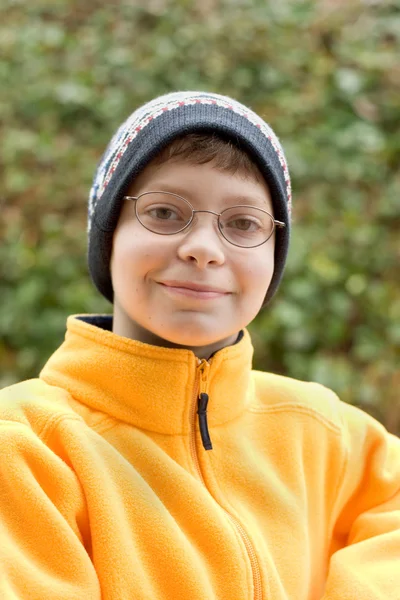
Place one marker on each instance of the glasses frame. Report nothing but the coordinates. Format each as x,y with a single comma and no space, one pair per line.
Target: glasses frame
276,224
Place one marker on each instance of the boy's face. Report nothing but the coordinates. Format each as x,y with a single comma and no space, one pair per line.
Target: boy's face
145,308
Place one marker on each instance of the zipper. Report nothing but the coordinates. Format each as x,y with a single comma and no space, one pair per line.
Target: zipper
200,397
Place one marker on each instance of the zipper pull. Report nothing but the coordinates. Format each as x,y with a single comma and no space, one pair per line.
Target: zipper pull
204,369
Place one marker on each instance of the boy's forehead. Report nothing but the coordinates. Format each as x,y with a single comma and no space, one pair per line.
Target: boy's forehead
182,177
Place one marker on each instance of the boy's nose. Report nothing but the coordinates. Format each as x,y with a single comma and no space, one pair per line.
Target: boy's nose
202,242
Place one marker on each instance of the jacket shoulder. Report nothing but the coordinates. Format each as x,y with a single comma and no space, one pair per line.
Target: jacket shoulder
34,403
277,392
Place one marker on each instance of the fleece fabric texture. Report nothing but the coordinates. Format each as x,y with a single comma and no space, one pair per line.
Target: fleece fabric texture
106,490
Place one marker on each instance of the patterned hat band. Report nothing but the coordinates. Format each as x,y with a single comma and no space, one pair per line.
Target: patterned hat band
149,130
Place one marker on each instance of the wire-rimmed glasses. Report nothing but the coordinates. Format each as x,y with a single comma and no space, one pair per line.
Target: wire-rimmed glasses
166,213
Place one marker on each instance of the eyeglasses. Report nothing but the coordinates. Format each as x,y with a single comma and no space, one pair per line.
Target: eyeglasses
165,213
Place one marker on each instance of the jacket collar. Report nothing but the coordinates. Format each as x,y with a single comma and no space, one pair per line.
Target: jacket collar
147,386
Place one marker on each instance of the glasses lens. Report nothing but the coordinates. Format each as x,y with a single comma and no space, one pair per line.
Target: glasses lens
246,226
163,213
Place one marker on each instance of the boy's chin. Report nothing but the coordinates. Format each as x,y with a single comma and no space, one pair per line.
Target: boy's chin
190,332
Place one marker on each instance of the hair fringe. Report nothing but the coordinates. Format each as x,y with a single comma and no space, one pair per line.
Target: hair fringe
202,148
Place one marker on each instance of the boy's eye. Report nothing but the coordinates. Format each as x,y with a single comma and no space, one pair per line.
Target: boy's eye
163,213
164,217
243,224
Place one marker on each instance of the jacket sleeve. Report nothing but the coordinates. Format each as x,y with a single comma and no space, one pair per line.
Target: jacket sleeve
44,535
366,528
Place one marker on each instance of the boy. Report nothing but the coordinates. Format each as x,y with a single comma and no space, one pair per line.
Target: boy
148,460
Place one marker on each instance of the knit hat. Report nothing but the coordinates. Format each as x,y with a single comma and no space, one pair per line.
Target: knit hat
149,130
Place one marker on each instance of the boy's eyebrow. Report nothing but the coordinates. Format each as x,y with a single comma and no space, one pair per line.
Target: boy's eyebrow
234,199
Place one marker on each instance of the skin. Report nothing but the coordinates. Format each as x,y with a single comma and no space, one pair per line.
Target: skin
147,311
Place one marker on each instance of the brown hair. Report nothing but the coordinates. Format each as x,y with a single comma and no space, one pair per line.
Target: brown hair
201,148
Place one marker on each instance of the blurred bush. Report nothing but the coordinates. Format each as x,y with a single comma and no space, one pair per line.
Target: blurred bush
325,74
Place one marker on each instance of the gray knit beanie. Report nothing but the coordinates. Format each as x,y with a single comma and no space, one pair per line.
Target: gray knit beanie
149,130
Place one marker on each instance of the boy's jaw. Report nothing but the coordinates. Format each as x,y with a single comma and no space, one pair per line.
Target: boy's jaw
125,326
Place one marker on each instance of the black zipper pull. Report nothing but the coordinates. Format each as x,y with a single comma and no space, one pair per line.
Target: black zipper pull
202,412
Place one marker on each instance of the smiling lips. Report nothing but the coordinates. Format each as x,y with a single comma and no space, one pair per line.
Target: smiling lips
194,290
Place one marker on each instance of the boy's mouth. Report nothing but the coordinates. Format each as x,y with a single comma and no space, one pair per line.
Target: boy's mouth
194,290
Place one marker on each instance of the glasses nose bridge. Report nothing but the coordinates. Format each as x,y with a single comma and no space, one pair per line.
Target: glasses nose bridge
211,212
205,211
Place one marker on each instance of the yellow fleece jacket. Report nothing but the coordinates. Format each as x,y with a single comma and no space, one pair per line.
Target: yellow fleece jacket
107,490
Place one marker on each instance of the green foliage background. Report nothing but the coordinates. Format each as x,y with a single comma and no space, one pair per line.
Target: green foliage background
325,74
